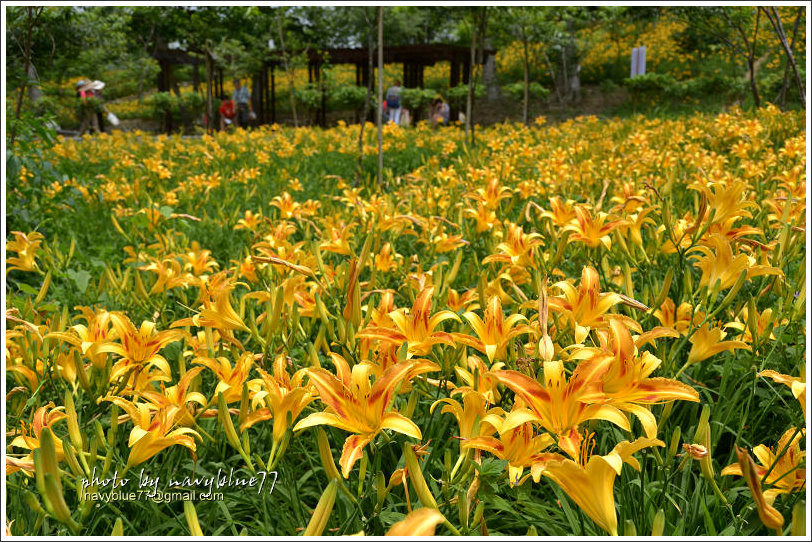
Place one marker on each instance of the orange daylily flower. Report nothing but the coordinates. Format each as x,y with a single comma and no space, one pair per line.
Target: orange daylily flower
627,384
517,248
585,307
787,472
280,394
417,327
557,405
229,379
592,230
519,445
139,348
495,332
357,406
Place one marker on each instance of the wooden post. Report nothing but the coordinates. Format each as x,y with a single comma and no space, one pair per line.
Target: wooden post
273,94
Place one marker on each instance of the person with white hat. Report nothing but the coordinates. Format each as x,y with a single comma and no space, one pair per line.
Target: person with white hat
88,106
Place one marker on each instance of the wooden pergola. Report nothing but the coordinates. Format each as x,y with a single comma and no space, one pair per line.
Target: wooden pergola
414,58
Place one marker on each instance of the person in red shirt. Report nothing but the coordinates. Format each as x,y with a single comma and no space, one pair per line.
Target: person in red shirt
227,112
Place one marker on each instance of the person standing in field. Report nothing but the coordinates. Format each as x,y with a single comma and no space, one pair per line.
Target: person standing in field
393,102
242,100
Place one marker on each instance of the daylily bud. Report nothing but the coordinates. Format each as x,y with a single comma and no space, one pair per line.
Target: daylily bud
480,508
228,426
191,518
629,529
703,438
326,455
696,451
416,476
118,528
672,448
322,512
59,508
658,526
669,277
769,516
798,527
449,279
32,502
43,291
380,488
72,421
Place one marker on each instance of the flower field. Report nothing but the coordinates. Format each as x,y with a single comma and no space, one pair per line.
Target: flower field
585,328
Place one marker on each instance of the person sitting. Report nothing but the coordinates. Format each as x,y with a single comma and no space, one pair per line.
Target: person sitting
227,113
393,102
440,113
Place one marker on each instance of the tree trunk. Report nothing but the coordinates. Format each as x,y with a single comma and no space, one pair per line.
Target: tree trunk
783,94
775,20
291,77
209,101
368,100
31,19
526,80
469,102
379,113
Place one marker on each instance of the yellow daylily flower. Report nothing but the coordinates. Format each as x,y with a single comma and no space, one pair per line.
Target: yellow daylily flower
89,337
230,379
590,483
421,522
357,406
477,376
179,396
45,416
707,342
787,472
585,307
470,415
495,332
717,262
517,249
747,468
591,230
26,246
152,430
796,384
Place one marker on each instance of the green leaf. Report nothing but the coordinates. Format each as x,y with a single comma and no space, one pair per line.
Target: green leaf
81,278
